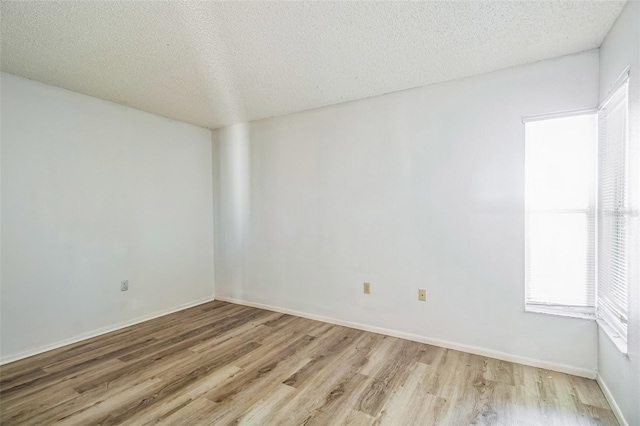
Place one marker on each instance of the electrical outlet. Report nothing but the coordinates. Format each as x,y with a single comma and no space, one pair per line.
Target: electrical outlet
422,295
124,285
367,288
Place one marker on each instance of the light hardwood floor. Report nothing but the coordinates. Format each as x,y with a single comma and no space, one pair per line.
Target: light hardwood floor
220,363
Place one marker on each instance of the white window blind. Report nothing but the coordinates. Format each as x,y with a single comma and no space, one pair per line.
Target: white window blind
613,212
560,215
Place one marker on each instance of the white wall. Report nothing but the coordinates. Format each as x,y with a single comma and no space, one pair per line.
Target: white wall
94,193
421,188
620,373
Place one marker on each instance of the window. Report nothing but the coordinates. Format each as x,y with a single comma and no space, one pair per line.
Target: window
560,214
613,215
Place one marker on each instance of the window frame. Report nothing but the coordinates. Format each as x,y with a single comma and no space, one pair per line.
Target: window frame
604,320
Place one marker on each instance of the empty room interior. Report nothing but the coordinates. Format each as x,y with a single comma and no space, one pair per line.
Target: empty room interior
320,213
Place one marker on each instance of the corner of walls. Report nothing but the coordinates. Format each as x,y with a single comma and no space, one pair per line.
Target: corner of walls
611,400
215,193
232,199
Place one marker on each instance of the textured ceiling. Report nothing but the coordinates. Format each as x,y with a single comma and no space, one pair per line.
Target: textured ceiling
214,64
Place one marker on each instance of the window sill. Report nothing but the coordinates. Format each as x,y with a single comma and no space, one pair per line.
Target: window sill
618,341
562,311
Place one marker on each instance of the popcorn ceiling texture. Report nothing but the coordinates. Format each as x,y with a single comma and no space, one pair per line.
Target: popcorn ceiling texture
215,64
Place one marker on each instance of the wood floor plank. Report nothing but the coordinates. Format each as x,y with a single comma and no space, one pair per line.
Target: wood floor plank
411,404
339,400
173,387
499,371
196,412
251,375
236,404
220,363
358,418
312,396
260,411
88,346
193,336
320,361
256,327
158,413
34,406
392,375
277,374
100,411
24,376
588,392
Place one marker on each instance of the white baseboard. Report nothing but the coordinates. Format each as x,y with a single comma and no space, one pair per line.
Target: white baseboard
612,402
562,368
581,372
103,330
